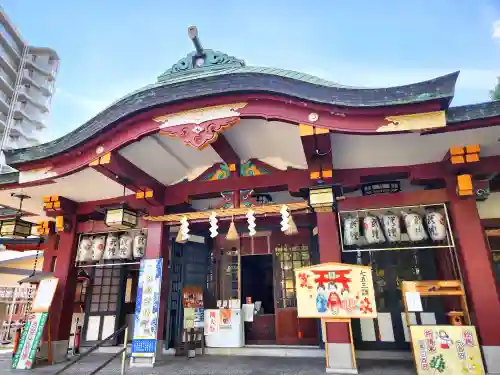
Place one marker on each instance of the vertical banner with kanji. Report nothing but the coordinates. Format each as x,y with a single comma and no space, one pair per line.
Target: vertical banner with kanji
446,350
147,308
29,341
212,321
335,290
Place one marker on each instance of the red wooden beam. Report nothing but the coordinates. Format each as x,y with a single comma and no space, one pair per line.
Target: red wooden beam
56,205
87,208
116,167
226,151
317,147
183,192
413,198
415,173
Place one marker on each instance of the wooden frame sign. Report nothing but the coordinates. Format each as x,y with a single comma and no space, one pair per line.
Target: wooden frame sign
44,295
335,290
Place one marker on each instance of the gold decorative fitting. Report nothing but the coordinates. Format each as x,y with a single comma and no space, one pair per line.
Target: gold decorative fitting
414,122
464,185
45,227
144,194
464,154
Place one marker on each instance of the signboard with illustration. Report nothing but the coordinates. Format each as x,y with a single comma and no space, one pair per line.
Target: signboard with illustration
446,350
335,290
147,308
29,341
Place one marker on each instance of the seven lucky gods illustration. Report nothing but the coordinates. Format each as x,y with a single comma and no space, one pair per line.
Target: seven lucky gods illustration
335,290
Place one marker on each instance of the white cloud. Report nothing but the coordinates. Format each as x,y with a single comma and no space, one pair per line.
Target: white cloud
496,29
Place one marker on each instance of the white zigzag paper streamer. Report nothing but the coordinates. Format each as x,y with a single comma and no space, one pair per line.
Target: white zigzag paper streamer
251,223
285,218
184,228
213,225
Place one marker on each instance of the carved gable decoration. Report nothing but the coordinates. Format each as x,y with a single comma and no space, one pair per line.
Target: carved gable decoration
200,127
414,122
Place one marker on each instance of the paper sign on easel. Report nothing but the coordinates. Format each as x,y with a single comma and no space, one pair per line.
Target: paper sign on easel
33,329
414,302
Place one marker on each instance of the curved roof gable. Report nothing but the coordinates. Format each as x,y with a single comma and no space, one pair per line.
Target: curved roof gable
205,73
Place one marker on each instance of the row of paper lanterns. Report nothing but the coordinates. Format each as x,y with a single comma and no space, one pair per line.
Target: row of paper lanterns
111,246
387,228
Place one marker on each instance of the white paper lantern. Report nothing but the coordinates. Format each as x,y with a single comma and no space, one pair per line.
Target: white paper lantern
139,246
392,228
111,250
351,231
414,226
98,244
85,250
372,230
125,250
436,225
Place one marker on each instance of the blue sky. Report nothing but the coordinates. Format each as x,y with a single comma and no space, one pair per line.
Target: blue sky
109,48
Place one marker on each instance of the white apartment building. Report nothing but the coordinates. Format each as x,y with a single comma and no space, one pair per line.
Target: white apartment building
27,77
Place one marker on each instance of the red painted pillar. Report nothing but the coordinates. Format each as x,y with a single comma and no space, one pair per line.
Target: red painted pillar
157,247
61,310
478,275
338,340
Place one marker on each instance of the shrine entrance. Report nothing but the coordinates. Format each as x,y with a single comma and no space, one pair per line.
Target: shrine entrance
390,268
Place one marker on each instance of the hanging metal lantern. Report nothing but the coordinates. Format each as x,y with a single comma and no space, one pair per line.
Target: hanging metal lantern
324,197
121,218
16,227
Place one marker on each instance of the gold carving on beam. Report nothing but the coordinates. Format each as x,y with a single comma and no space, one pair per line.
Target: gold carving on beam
306,130
229,212
199,115
414,122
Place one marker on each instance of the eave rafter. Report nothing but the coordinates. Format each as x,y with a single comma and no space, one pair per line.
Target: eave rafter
317,147
116,167
56,205
227,153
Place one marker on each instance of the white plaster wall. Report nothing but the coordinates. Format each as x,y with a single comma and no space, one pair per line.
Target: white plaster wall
490,208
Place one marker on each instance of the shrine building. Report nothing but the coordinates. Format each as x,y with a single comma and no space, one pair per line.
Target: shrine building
188,163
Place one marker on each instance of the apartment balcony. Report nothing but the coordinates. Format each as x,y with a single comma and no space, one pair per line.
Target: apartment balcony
35,96
39,80
8,42
6,82
25,129
4,102
27,110
44,64
3,121
9,62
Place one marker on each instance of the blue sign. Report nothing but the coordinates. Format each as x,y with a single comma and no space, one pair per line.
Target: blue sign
147,308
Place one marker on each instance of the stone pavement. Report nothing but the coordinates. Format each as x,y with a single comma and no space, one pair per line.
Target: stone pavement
217,365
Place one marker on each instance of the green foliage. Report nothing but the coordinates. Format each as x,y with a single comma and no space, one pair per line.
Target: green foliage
495,93
438,363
